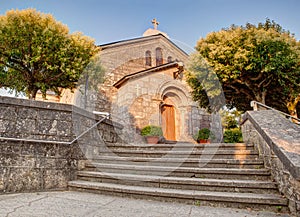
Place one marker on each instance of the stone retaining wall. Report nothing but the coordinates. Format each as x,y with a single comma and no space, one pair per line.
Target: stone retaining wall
29,164
33,166
278,142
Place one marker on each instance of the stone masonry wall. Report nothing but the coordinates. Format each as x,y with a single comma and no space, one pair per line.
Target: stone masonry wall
129,57
33,166
124,58
27,164
278,142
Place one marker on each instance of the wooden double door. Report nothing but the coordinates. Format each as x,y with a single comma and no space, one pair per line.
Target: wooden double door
168,122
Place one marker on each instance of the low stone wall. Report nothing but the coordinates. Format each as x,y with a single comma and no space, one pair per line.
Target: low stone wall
28,119
33,166
35,149
278,142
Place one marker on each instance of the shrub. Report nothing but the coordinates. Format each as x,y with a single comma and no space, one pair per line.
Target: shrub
151,130
204,133
233,135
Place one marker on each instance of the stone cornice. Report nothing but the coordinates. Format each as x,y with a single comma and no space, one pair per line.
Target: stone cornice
123,80
129,42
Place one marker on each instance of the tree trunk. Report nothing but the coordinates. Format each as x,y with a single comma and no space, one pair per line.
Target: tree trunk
292,107
31,94
261,97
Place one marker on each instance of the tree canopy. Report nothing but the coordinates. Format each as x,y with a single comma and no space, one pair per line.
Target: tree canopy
38,53
253,62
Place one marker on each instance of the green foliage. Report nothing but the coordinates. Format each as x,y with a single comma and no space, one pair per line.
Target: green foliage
231,122
151,130
92,76
197,203
230,118
204,133
38,53
279,208
252,63
233,135
206,88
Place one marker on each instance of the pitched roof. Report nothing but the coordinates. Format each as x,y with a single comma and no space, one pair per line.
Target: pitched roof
123,80
140,39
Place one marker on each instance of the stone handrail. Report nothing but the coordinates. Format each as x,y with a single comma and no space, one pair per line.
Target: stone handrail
281,135
255,105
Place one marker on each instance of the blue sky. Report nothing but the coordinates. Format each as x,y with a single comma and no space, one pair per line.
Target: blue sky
183,20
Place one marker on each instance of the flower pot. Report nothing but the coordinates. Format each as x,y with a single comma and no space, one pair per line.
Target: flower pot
152,139
203,141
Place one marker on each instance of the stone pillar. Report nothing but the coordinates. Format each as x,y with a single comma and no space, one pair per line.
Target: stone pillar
155,118
185,123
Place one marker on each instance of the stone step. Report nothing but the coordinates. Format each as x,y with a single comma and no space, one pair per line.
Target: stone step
179,162
181,146
211,154
200,184
216,173
230,199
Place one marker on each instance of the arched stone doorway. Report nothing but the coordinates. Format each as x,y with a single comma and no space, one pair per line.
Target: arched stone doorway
177,111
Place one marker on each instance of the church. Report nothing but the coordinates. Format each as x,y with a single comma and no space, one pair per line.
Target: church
144,85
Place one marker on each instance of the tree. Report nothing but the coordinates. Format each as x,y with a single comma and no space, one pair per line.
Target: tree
38,53
252,63
230,118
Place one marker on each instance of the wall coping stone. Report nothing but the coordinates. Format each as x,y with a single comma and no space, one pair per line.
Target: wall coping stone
35,103
282,136
54,106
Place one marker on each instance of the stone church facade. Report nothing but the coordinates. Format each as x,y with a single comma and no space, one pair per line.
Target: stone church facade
145,84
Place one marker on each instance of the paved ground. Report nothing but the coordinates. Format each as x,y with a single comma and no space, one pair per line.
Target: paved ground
88,205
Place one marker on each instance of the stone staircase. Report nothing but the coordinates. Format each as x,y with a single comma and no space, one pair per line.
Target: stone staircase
230,175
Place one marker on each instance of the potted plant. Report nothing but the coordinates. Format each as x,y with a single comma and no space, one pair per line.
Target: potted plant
152,133
204,136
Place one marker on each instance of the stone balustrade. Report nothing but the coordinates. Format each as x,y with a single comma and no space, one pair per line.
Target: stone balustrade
278,142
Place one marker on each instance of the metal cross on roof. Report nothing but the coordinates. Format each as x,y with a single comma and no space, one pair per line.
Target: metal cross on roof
155,23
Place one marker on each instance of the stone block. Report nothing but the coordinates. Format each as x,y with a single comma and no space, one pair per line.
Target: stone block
56,163
56,179
4,126
8,113
64,128
22,179
26,113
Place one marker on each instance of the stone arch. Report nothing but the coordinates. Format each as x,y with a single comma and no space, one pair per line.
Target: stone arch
176,89
176,95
